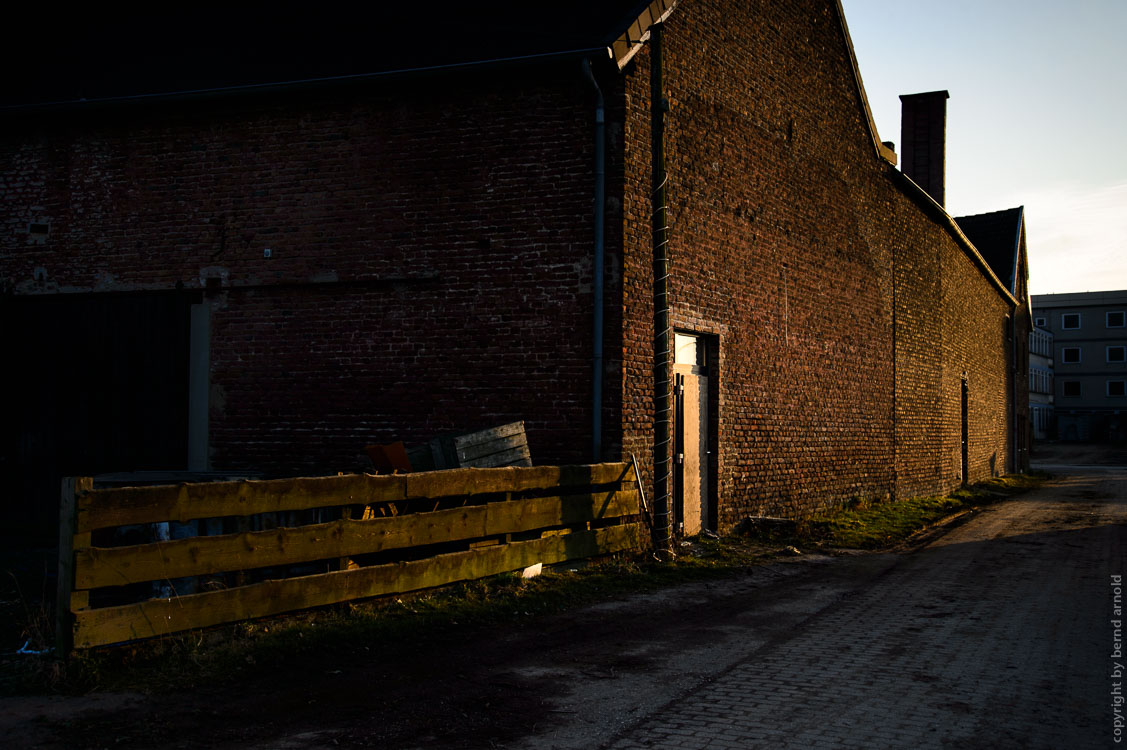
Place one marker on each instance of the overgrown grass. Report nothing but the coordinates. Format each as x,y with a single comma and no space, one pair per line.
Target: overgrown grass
183,661
867,525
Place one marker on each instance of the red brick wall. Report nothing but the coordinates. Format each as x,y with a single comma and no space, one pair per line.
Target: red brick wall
431,253
793,245
950,321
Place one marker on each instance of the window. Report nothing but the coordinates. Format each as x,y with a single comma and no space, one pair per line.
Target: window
1070,321
1039,322
1071,388
1116,319
1041,343
1116,388
1070,355
1040,381
1117,354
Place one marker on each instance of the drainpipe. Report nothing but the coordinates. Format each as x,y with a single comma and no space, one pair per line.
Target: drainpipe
663,526
599,263
1012,325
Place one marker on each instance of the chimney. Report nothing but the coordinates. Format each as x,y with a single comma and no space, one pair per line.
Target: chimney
923,136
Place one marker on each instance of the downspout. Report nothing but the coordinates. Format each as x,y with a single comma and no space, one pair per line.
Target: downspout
599,263
663,526
1013,391
895,493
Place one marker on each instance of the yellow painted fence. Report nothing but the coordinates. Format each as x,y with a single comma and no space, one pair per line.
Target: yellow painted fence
374,535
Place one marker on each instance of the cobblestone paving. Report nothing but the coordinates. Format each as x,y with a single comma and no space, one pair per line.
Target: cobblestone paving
997,636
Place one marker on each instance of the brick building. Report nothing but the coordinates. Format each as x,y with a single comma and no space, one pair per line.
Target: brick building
266,266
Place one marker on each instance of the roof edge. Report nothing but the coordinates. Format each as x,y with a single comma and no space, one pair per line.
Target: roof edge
637,33
307,82
882,151
1017,246
939,213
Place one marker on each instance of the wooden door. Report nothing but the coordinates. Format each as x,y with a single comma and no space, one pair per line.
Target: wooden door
692,491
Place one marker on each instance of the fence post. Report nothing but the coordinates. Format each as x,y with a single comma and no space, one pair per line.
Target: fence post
68,514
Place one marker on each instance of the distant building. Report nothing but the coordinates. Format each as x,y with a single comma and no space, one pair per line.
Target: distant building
1089,348
1041,415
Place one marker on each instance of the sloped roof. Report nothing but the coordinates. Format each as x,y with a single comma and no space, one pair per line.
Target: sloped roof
93,52
997,236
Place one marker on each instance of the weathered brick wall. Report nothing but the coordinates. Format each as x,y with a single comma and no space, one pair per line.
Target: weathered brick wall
431,262
431,253
793,245
950,323
976,343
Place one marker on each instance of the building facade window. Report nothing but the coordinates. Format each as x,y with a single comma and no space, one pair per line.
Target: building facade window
1070,355
1071,389
1070,321
1117,354
1117,319
1040,380
1042,419
1116,388
1041,343
1039,322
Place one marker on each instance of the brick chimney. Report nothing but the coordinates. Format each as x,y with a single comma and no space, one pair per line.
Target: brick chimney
923,136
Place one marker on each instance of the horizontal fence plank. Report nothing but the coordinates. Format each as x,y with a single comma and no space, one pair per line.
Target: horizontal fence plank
115,566
125,506
163,616
185,502
472,481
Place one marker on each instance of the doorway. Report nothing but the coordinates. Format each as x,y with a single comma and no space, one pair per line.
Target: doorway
99,383
694,474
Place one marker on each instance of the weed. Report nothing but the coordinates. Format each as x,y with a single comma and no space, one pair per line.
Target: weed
865,523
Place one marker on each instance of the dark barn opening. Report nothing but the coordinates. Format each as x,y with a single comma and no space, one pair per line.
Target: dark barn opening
98,383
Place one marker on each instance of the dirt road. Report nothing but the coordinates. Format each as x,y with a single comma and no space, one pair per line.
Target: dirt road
997,634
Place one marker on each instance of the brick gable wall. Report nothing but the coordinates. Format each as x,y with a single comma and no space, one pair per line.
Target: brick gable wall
794,248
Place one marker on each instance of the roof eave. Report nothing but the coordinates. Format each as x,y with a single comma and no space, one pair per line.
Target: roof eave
309,82
637,33
882,151
938,212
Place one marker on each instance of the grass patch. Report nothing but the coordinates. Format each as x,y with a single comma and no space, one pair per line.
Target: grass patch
864,525
309,639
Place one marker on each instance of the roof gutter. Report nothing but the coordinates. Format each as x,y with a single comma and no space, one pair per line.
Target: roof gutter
221,91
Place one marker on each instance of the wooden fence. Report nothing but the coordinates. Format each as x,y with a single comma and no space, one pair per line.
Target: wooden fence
387,535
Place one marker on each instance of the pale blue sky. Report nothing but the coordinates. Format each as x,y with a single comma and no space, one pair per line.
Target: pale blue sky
1037,117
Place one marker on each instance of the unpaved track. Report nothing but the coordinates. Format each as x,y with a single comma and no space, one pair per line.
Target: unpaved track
996,634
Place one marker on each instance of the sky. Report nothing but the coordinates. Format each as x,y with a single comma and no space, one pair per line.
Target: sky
1037,117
